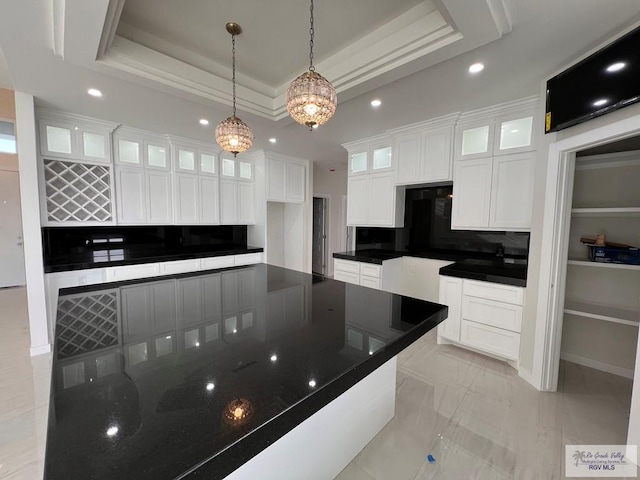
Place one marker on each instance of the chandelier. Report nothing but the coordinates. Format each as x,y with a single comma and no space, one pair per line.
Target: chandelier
233,135
311,99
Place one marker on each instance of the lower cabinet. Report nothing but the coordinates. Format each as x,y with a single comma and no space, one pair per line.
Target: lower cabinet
382,277
484,316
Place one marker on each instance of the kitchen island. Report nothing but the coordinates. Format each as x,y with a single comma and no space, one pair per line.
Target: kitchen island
224,373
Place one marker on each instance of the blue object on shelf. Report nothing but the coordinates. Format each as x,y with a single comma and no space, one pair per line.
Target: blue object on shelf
629,256
431,458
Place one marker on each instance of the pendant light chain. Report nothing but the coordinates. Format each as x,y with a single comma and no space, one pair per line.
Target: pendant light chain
233,52
311,34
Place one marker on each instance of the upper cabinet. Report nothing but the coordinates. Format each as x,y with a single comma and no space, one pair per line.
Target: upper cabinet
372,196
137,148
74,137
286,179
494,168
237,191
424,151
502,130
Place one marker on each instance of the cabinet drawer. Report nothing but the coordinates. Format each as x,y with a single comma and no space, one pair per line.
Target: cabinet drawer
346,266
181,266
494,291
212,263
371,282
490,312
248,259
348,277
370,270
130,272
493,340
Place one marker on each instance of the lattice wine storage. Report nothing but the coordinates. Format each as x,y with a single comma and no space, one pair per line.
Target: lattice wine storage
77,192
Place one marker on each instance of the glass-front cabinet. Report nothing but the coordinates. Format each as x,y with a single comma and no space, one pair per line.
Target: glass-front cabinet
370,156
75,139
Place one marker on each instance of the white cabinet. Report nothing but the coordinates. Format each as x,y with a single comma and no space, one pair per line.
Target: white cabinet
484,316
237,192
131,196
148,309
451,296
76,137
381,277
357,200
209,200
187,207
370,156
286,181
424,151
374,200
493,193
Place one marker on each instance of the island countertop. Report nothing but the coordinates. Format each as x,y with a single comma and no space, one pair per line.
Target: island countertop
190,376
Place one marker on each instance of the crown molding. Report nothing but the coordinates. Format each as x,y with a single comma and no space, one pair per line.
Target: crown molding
114,11
49,114
495,110
439,122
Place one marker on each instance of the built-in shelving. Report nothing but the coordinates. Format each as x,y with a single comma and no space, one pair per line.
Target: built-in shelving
606,212
602,312
587,263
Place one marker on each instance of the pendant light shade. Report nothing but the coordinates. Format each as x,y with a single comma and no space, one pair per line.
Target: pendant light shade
233,135
311,99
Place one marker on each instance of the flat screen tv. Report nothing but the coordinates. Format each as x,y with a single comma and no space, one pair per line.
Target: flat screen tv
601,83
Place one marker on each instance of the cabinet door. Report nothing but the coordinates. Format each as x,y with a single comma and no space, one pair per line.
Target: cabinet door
381,201
296,176
246,203
358,162
436,156
209,201
128,151
471,194
227,167
159,197
357,201
131,196
156,156
186,199
245,170
212,300
58,139
163,305
515,133
512,192
451,296
381,159
185,159
228,202
407,149
94,145
276,181
475,140
136,312
190,306
208,163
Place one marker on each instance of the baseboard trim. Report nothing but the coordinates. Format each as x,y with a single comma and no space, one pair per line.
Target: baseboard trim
40,349
597,365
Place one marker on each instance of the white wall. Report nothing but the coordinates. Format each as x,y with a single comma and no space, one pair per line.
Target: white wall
334,186
275,229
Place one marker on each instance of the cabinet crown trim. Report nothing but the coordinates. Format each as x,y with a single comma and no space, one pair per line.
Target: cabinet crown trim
286,158
175,140
56,115
438,122
137,132
500,109
367,142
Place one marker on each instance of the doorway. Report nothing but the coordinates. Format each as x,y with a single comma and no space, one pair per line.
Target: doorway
11,249
320,231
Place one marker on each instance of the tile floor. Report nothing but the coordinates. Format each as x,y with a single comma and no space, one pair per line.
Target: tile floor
473,414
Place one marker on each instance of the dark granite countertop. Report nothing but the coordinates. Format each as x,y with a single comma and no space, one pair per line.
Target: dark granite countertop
487,268
147,375
115,256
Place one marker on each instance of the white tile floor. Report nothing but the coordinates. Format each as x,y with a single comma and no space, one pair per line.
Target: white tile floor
473,414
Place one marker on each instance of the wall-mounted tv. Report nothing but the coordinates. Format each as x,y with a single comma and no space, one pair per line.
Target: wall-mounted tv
601,83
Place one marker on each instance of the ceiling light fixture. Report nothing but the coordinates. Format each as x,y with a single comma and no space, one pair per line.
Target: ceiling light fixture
204,121
376,103
233,135
273,140
476,68
94,92
616,67
311,99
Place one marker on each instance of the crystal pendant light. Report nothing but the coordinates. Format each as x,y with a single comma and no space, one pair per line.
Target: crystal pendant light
311,99
233,135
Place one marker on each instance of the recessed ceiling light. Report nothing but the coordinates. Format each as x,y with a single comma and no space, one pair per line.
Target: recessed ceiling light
112,431
94,92
376,103
273,140
210,387
476,67
274,358
312,383
600,102
204,121
616,67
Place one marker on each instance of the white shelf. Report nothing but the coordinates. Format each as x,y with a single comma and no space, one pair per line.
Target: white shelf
602,312
606,212
587,263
